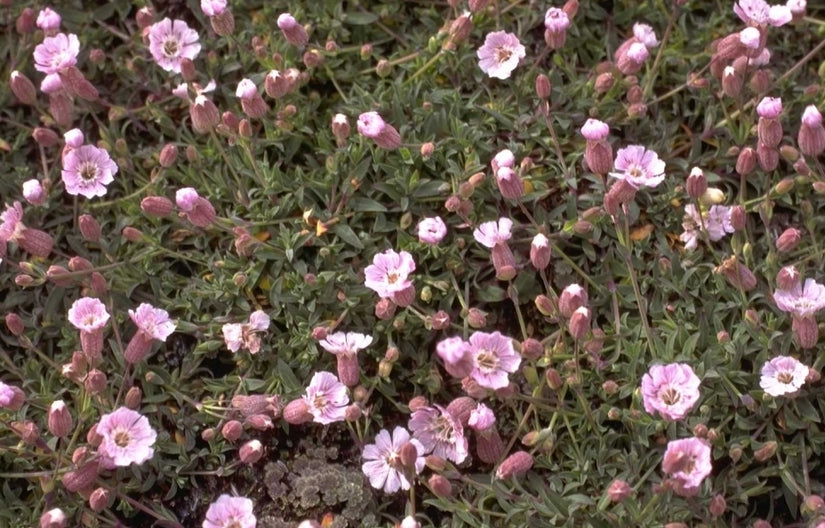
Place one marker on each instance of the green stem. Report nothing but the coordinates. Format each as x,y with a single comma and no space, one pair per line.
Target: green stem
573,265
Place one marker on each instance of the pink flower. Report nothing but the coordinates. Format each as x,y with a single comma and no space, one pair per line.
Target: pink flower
87,171
127,437
481,418
246,89
88,314
783,375
212,8
388,274
439,432
503,158
494,232
230,512
326,398
293,32
639,167
170,41
431,230
645,34
556,20
716,222
457,356
197,209
373,126
493,358
688,462
671,390
345,342
383,464
769,107
33,192
811,117
11,397
802,301
56,53
759,13
245,335
595,130
500,54
48,20
11,222
154,322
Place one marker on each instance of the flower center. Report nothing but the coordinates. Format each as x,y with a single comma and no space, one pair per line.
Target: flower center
634,171
671,396
319,401
487,360
234,524
89,320
393,460
784,377
443,429
171,47
503,55
122,438
87,171
392,277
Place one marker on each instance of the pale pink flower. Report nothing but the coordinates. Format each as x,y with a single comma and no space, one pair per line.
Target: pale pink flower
293,32
383,465
170,41
11,397
440,433
750,38
127,437
431,230
12,229
389,273
457,356
345,342
51,84
56,53
88,314
671,390
494,357
326,398
595,130
481,418
237,335
373,126
48,20
154,322
811,117
11,222
230,512
33,192
639,167
716,222
212,8
645,34
802,301
246,89
74,138
783,375
688,462
500,54
503,158
759,13
494,232
769,107
556,20
87,171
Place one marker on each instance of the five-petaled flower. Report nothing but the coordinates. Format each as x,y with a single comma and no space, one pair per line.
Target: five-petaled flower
170,41
671,390
783,375
500,54
383,466
127,437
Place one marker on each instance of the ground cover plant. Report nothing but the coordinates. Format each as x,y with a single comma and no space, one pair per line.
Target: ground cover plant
485,263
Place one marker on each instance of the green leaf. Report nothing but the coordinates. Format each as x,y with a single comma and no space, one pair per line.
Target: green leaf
360,19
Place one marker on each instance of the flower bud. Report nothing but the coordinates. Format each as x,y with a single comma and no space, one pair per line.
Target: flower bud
81,478
99,499
59,420
33,192
15,324
168,155
384,309
579,324
572,298
553,378
515,465
746,162
293,32
133,398
259,422
45,137
95,381
251,452
22,88
440,486
476,318
532,349
784,186
89,228
204,114
54,518
543,87
766,451
738,217
788,240
232,430
297,412
619,490
545,305
697,183
768,157
159,206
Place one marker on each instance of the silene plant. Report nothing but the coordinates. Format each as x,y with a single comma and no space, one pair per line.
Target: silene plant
412,264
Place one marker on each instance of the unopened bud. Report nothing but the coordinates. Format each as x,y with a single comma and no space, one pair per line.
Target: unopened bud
232,430
89,228
619,490
766,451
476,318
99,499
788,240
515,465
543,87
133,397
15,324
251,452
